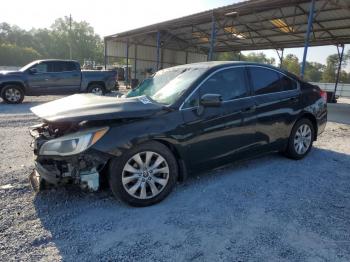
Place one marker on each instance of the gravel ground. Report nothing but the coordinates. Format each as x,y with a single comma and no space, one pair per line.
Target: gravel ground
266,209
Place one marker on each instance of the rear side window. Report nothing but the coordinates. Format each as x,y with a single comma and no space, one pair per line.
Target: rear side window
70,66
62,67
264,80
287,83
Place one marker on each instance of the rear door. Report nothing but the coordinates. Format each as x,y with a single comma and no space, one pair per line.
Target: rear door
65,77
276,97
217,133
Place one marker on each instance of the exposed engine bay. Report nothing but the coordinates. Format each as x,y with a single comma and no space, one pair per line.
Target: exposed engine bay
83,169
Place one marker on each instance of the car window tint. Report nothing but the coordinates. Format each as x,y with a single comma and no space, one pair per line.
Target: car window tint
264,80
41,68
287,83
70,66
229,83
192,101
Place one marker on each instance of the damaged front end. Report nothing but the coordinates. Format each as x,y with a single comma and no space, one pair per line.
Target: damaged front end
63,155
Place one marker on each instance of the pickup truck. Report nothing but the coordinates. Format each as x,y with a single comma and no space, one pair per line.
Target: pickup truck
53,77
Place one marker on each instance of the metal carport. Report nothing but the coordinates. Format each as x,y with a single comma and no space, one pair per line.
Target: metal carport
248,25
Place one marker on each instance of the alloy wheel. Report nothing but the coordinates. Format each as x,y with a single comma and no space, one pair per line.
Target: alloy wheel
302,139
13,94
145,175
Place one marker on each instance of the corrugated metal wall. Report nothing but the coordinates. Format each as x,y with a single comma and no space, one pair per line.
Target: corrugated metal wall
147,57
343,90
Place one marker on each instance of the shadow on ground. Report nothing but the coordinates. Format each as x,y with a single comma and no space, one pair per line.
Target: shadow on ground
265,209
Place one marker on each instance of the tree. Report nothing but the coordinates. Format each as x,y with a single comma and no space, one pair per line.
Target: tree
82,38
313,71
50,43
229,56
330,72
13,55
291,64
259,58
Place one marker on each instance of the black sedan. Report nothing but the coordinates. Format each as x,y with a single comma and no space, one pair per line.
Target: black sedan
184,119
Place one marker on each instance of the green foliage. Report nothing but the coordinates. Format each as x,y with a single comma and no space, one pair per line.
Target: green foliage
291,64
251,57
313,71
329,74
50,43
229,56
259,58
13,55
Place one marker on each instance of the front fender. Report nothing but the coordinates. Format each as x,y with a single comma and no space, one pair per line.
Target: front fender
122,137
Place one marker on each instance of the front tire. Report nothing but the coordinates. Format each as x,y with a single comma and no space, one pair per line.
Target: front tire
144,175
301,139
12,94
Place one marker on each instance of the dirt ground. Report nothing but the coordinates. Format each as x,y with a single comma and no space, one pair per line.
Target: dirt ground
265,209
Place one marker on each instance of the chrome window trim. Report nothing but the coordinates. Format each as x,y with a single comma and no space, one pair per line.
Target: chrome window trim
248,96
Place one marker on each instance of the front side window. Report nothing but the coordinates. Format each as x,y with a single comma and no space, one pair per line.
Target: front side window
264,80
229,83
41,68
167,85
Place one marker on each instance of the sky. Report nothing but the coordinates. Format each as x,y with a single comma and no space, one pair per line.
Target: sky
115,16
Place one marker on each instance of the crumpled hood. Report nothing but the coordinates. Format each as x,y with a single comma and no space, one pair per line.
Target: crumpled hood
87,107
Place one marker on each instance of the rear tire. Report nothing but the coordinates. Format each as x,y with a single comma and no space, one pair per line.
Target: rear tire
97,89
301,139
12,94
146,183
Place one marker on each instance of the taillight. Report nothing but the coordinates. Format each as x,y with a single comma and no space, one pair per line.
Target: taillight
323,95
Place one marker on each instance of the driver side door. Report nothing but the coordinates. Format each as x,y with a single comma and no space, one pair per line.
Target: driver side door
39,81
219,133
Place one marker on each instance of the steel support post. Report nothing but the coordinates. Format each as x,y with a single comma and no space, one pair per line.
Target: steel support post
340,56
212,38
135,61
158,49
105,53
127,63
307,36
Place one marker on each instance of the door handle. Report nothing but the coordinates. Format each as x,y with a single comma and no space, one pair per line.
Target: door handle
249,109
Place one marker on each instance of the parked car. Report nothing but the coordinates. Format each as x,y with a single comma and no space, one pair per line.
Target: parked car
183,119
53,77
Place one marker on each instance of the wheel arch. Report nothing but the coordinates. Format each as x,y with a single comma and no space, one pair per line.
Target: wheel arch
101,83
17,83
179,159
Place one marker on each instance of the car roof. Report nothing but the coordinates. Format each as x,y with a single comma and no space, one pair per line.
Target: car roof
213,65
56,60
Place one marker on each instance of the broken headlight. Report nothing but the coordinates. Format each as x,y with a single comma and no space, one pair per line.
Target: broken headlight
73,143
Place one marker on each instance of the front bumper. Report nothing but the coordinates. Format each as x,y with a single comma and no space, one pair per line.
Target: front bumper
85,169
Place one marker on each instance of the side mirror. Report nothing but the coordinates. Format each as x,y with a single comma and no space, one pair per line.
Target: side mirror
33,71
211,100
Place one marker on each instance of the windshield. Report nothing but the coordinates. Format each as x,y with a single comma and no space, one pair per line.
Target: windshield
167,85
24,68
